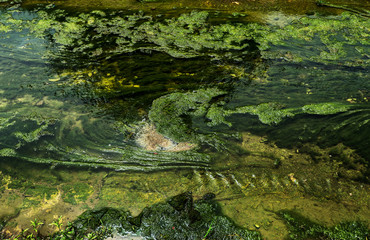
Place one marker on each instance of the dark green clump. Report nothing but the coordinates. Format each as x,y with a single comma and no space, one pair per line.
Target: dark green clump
171,113
178,218
303,228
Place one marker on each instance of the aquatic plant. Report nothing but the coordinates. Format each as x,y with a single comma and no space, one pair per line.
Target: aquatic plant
177,218
172,113
303,228
351,7
142,32
338,39
58,223
35,226
182,218
169,112
84,48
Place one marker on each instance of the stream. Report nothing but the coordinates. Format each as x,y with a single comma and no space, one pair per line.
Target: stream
263,104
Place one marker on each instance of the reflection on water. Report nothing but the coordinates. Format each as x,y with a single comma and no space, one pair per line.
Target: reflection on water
267,116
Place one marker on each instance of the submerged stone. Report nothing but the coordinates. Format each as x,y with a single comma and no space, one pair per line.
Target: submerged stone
151,140
178,218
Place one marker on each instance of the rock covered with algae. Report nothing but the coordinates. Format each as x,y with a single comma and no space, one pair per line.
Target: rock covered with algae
178,218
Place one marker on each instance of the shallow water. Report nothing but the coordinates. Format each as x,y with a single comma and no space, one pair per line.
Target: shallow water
78,86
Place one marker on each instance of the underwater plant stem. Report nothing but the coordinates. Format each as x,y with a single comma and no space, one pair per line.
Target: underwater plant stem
209,230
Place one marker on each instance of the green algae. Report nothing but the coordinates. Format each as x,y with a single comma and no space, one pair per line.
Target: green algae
7,152
191,35
268,113
188,35
171,113
76,193
44,136
177,218
303,228
98,49
181,218
325,108
41,190
168,112
335,38
26,130
132,190
213,110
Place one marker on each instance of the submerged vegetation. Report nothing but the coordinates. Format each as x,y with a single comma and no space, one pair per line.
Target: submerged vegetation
302,228
110,58
182,218
177,218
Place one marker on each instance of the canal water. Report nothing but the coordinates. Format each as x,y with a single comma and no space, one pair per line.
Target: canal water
124,104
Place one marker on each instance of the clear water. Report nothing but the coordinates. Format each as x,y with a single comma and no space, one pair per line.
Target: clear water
71,114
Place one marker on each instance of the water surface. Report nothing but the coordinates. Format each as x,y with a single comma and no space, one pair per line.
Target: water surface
271,96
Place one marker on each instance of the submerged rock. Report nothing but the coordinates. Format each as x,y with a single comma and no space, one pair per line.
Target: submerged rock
182,218
178,218
150,139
